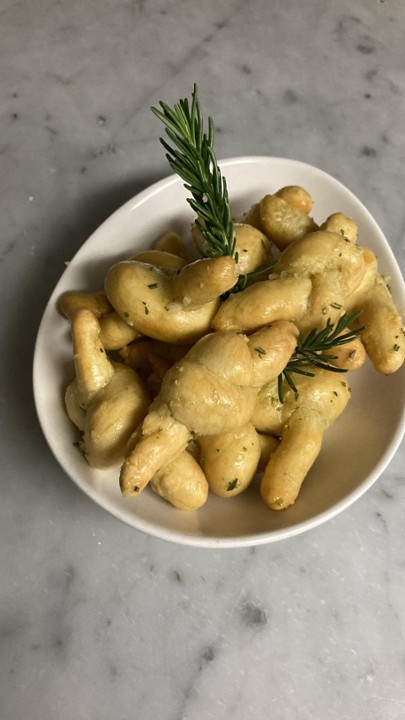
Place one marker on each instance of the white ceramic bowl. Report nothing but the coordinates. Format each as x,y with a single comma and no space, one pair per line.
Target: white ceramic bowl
356,450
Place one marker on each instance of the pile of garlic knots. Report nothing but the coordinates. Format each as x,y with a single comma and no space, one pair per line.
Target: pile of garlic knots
177,376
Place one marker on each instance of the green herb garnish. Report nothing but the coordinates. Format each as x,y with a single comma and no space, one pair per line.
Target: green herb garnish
244,279
193,159
314,350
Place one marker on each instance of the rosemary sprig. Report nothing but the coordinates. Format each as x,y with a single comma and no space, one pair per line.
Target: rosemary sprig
314,350
193,159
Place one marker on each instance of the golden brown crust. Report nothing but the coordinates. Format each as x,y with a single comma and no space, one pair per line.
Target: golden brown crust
290,463
383,335
296,196
162,259
93,368
262,303
173,243
312,281
143,296
253,248
342,225
106,400
210,391
204,280
230,460
300,422
115,333
182,483
112,417
162,439
282,222
71,301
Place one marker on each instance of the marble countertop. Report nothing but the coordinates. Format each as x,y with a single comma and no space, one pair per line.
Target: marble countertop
98,620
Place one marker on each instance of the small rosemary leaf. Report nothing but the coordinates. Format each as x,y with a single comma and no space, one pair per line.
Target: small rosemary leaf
200,210
331,368
211,132
242,282
309,338
166,115
186,110
300,371
318,337
280,390
347,319
343,339
325,357
177,141
290,382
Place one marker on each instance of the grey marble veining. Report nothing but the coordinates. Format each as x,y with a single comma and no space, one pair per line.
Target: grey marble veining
96,619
